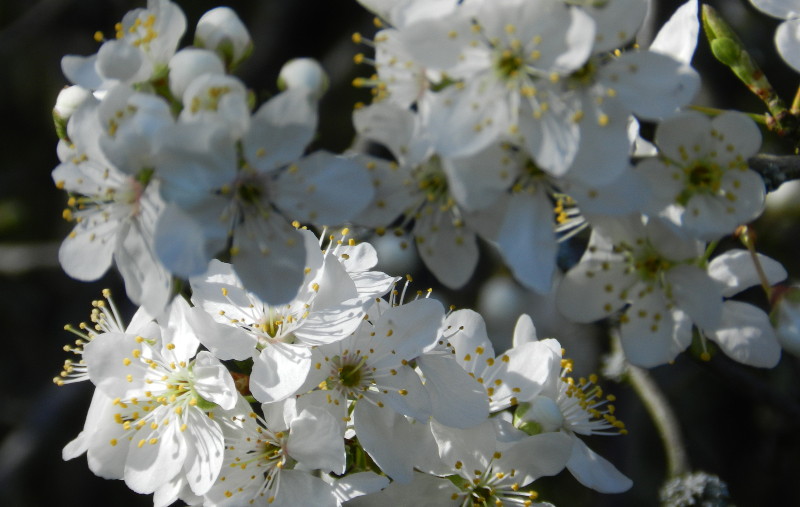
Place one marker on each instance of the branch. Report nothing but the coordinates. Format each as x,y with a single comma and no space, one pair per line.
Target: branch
776,169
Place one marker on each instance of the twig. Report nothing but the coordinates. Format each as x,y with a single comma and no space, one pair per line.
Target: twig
660,411
776,169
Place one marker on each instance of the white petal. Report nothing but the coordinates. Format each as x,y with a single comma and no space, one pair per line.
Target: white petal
205,451
87,252
552,450
180,243
457,400
358,484
466,332
296,487
323,189
628,193
779,8
477,181
213,382
270,259
739,136
678,37
552,138
386,436
224,341
387,124
279,371
735,271
280,131
603,152
652,85
648,343
617,22
527,241
593,290
415,402
315,441
524,331
473,447
594,471
152,465
147,281
466,120
82,70
679,135
696,294
746,335
440,239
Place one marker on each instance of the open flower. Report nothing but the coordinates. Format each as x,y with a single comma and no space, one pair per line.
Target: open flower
644,268
152,426
701,180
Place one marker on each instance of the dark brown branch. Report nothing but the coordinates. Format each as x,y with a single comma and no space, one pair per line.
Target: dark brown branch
776,169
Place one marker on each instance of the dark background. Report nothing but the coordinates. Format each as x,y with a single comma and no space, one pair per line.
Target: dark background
739,423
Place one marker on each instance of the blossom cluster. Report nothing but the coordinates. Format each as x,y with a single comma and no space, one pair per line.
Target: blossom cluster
269,364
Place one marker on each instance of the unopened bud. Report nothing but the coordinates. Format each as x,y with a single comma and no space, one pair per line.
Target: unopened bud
69,99
222,31
726,51
304,73
190,63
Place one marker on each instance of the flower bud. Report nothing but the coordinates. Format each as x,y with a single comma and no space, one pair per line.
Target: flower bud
69,99
222,31
726,50
190,63
304,73
785,318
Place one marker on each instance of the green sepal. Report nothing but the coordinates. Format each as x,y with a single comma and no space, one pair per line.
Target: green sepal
61,126
519,421
459,482
203,404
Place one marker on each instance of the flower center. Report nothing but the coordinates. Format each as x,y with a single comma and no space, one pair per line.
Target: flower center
701,177
350,375
508,64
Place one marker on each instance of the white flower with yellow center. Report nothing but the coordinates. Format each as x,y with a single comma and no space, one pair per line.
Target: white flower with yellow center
329,306
274,461
576,408
701,180
651,273
152,426
368,378
480,470
509,378
508,55
432,191
144,42
114,199
245,193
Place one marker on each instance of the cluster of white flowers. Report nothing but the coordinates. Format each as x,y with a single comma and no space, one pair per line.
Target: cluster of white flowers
283,376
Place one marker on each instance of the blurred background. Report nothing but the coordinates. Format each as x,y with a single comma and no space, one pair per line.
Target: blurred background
739,423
